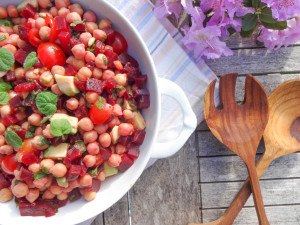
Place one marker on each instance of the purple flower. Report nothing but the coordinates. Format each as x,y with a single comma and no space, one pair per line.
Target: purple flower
283,9
206,42
165,8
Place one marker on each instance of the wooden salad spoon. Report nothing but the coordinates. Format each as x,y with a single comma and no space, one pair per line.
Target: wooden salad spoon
281,137
240,127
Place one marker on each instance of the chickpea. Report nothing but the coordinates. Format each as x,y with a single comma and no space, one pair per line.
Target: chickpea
84,73
2,128
101,61
32,74
89,160
73,17
13,39
5,29
76,63
90,195
12,93
5,195
6,150
97,73
21,44
105,140
91,26
44,33
101,176
121,79
84,38
20,72
114,160
3,13
74,184
101,128
47,133
55,189
120,149
16,21
23,21
92,97
59,170
34,167
10,48
63,12
125,129
32,195
47,79
53,11
62,196
62,3
5,110
93,148
58,70
38,131
20,190
99,35
35,119
40,22
108,74
12,11
79,51
31,21
72,103
2,141
47,164
90,136
55,89
44,3
36,143
2,43
19,156
86,180
16,29
89,56
76,8
104,23
85,124
48,195
117,110
114,122
127,113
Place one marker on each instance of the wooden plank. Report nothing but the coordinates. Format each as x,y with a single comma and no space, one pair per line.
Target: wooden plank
277,215
274,192
232,168
168,192
118,213
261,61
98,220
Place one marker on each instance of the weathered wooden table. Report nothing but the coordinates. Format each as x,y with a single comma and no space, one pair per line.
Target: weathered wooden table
199,182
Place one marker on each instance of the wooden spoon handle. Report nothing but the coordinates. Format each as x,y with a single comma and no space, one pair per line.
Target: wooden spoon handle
257,196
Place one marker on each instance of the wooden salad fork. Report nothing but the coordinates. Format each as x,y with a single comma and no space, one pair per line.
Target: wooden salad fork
281,137
240,127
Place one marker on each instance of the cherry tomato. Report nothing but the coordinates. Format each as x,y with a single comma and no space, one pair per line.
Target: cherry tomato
119,44
51,22
27,146
50,54
99,160
100,112
9,163
33,37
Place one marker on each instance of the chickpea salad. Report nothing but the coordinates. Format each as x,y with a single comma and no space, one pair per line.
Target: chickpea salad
70,105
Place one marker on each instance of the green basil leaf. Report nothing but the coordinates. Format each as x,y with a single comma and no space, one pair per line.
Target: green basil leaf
269,22
2,37
4,98
60,127
30,60
39,175
13,139
249,22
5,23
46,102
7,59
5,86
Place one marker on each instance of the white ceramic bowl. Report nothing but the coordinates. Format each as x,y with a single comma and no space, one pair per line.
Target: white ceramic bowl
115,187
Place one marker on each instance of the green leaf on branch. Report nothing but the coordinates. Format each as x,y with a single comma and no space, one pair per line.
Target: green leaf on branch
249,22
247,33
255,4
247,3
269,22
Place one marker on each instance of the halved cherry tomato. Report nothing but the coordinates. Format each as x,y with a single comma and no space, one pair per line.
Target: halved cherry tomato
51,54
9,163
34,37
100,112
99,160
51,22
119,44
27,146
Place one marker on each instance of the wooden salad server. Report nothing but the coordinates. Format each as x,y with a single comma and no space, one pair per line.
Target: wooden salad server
281,137
240,126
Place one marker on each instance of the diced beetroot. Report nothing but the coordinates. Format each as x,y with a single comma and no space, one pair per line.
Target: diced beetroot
15,102
132,72
19,81
83,168
91,65
25,87
143,102
20,56
124,140
106,153
38,64
61,24
111,99
38,86
111,83
65,39
138,136
29,11
125,58
95,85
29,100
111,57
67,162
29,158
81,85
60,102
57,140
70,71
29,48
110,33
10,76
74,172
125,164
140,92
41,207
99,160
74,195
73,153
74,41
129,94
26,175
21,132
80,27
81,112
99,47
133,151
96,184
4,182
23,32
140,80
9,119
74,138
